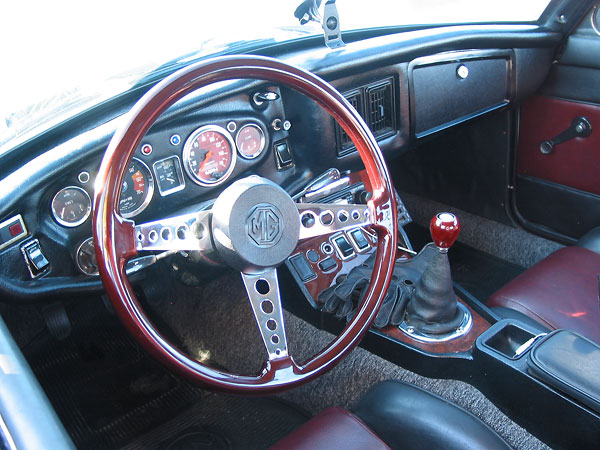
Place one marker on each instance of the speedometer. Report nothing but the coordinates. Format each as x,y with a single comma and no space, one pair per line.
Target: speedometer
209,155
137,189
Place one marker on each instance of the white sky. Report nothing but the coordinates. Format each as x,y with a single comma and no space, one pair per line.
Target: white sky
49,46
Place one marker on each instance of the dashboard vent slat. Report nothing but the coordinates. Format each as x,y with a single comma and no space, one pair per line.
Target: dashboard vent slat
355,99
376,104
380,104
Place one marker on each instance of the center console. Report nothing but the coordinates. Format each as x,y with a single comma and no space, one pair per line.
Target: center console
430,325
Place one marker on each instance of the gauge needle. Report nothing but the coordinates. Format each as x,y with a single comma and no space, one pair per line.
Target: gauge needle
207,158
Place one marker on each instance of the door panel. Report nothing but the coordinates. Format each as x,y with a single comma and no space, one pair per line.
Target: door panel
574,163
558,194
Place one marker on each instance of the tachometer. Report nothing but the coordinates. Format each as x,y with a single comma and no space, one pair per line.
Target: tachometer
209,155
71,206
137,189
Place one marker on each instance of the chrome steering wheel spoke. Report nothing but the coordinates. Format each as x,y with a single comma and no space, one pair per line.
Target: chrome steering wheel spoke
265,299
318,219
185,232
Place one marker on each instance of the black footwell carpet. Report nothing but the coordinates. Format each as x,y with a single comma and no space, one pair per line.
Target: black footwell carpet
478,272
225,422
108,393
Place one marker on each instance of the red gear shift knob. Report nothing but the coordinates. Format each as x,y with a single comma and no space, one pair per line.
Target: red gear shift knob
444,228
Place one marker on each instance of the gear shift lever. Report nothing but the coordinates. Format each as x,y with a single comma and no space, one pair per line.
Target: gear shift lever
433,309
444,228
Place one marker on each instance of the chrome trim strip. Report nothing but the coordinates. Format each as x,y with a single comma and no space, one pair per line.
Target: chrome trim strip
8,439
461,330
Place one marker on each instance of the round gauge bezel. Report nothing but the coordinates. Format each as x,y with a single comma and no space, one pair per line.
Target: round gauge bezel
149,194
63,222
78,252
596,19
187,148
263,141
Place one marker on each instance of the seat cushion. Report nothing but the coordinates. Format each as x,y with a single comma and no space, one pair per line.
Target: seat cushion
332,429
561,291
408,417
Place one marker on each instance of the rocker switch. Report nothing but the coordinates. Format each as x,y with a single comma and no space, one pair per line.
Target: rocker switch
35,259
284,155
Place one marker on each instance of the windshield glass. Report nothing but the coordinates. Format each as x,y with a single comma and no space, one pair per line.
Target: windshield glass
62,57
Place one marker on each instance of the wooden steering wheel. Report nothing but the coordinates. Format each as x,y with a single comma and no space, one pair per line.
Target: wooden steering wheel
254,225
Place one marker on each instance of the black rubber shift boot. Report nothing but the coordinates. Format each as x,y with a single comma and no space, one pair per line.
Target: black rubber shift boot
433,308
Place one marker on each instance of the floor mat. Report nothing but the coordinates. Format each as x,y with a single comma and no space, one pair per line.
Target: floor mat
225,422
109,393
478,272
104,388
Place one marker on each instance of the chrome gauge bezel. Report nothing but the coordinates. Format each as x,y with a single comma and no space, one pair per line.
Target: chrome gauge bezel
187,148
64,223
177,166
78,263
596,19
263,141
149,194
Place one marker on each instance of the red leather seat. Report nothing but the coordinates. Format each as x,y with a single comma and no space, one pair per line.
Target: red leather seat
561,291
332,429
394,415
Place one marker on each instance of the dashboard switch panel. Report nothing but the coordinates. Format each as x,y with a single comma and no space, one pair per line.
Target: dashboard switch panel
12,230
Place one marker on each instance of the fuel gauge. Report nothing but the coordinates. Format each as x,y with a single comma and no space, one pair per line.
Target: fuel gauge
169,176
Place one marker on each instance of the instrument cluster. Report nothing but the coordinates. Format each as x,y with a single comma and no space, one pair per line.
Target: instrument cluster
207,157
164,164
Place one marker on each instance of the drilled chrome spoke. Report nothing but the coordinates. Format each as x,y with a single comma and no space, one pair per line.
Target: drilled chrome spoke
318,219
185,232
263,292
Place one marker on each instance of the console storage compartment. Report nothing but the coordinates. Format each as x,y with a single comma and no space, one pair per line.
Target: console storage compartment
569,363
511,340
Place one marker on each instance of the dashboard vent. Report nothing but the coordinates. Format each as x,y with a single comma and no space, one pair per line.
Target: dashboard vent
355,99
376,105
380,104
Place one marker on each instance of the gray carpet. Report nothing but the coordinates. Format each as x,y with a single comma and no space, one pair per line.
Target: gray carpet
508,243
215,322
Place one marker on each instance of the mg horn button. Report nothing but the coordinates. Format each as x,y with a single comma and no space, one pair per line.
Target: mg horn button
265,225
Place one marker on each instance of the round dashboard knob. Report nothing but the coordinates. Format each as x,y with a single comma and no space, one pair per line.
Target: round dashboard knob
444,228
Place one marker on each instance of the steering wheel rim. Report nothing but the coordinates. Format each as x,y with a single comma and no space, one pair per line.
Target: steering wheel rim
115,237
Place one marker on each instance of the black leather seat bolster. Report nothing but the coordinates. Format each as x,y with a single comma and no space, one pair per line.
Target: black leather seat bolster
407,417
591,240
570,363
30,420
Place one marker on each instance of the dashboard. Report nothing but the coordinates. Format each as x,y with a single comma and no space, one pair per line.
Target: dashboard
238,128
